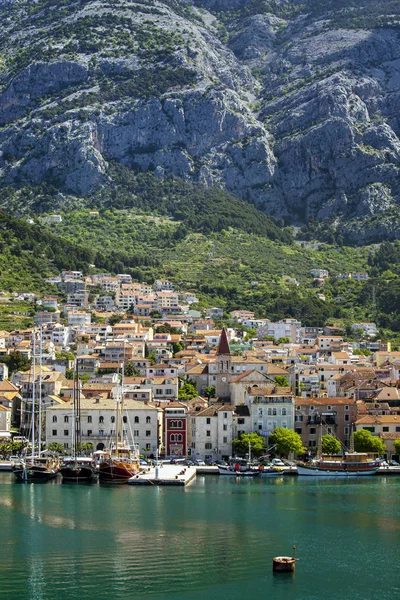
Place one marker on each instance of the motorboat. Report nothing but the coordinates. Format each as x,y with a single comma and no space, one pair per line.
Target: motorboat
352,464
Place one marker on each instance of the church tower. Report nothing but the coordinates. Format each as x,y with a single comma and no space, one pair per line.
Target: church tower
223,368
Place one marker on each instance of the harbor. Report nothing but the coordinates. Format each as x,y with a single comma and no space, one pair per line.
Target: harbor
214,538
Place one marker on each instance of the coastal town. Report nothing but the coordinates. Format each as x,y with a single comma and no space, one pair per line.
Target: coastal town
193,380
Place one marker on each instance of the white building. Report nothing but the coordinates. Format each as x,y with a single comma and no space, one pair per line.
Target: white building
142,424
289,328
368,329
79,318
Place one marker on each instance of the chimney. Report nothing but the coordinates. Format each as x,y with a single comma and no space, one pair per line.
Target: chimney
97,399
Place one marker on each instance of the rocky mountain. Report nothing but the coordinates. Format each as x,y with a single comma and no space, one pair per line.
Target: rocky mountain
291,105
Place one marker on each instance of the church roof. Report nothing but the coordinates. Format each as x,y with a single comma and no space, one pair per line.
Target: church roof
223,346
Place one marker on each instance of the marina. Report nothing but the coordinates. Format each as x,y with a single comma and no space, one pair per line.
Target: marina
215,538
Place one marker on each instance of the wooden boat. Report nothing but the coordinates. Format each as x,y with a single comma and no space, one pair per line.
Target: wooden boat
77,469
284,564
121,461
38,469
353,464
119,465
42,466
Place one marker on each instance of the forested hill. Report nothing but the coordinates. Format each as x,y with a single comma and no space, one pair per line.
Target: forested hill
293,106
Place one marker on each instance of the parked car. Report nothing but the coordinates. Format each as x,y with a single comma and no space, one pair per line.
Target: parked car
199,463
173,461
188,462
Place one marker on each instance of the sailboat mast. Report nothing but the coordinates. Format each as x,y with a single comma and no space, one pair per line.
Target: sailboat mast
40,390
33,395
74,411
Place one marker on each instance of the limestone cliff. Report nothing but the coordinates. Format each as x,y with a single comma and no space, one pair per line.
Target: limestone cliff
293,106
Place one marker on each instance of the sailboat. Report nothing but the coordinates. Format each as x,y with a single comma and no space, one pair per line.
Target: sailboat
38,467
121,461
77,469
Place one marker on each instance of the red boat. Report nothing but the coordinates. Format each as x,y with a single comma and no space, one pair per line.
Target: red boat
118,466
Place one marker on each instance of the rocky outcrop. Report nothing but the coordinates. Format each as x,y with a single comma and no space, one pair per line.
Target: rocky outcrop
295,111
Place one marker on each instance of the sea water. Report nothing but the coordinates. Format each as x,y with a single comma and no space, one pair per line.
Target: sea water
214,539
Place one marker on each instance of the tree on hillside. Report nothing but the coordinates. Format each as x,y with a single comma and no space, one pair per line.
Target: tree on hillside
364,441
16,361
286,441
330,444
240,445
130,370
281,381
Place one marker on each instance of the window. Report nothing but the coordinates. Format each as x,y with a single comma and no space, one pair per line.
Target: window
260,412
372,429
329,407
54,419
386,429
172,437
101,431
283,412
89,432
274,411
208,433
240,421
298,418
346,430
346,407
298,407
312,443
148,420
112,419
89,419
66,419
148,433
66,432
148,447
270,411
225,427
179,437
101,419
311,408
298,430
225,440
168,392
208,446
125,419
180,424
312,430
66,445
208,421
54,432
347,417
397,429
225,415
136,419
260,427
329,430
136,432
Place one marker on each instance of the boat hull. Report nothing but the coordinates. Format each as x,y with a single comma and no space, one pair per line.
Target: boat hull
34,475
116,472
237,473
77,474
317,472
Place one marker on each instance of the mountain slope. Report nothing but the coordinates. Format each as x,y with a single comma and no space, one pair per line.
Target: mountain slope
293,106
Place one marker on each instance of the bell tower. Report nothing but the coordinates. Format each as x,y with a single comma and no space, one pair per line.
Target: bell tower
223,367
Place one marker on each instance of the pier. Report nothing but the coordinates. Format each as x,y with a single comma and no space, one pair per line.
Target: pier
177,475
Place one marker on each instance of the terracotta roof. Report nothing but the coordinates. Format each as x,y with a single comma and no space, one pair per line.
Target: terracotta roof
324,401
378,420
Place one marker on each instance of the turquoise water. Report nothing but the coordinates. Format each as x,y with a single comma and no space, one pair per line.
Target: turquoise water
214,539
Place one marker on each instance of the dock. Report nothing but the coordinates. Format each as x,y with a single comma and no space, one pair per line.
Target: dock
167,475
